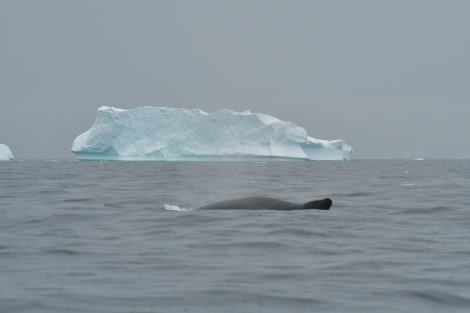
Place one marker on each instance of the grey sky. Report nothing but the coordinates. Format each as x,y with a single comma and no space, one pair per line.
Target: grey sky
391,78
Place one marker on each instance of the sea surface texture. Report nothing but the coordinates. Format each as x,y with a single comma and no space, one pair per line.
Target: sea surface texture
125,237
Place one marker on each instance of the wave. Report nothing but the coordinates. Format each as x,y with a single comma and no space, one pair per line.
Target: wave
170,207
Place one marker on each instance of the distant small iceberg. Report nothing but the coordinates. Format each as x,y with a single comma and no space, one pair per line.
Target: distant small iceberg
5,153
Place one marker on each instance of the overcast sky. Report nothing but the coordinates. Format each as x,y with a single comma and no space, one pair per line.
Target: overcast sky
391,78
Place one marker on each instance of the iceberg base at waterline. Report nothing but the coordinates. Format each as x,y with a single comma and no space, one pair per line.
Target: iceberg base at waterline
5,153
163,133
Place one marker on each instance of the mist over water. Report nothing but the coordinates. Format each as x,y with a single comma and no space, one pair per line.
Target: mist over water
124,237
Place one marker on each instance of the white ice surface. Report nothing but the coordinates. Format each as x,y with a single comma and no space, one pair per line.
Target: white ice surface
5,153
162,133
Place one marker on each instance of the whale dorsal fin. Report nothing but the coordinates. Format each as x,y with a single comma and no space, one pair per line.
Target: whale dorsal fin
324,204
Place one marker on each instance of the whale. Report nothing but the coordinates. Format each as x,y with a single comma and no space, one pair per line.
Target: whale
267,203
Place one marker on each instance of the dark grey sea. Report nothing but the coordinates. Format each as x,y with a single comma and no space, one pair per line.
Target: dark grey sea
124,237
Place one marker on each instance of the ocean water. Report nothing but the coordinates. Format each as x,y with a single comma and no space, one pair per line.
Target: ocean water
125,237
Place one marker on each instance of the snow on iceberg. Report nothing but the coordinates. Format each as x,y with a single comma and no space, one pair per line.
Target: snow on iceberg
5,153
162,133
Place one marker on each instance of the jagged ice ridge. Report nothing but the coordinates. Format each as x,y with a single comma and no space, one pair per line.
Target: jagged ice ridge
163,133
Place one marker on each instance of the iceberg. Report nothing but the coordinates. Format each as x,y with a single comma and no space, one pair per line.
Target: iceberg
5,153
163,133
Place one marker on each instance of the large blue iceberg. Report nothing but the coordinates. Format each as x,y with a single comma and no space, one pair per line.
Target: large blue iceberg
5,153
162,133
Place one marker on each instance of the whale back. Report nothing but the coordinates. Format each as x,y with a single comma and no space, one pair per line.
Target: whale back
266,203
